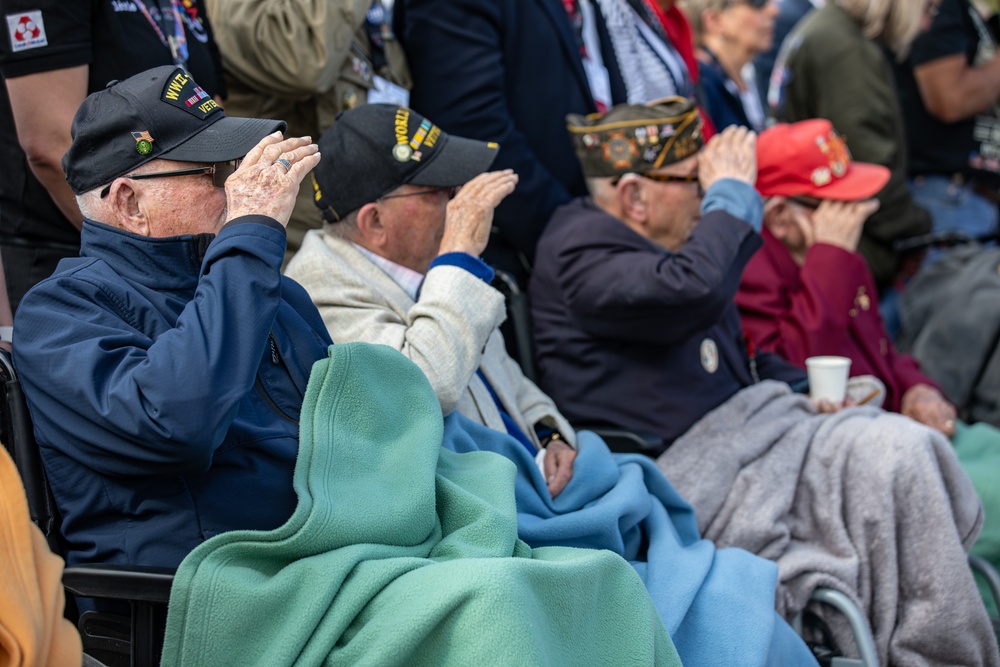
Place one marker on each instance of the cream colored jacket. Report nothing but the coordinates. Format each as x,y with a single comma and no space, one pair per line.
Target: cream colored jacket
450,332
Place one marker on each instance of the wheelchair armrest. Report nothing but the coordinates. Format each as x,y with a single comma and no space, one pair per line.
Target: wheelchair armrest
947,239
137,637
627,442
120,582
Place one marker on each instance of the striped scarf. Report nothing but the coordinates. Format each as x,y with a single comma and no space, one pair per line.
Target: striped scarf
650,65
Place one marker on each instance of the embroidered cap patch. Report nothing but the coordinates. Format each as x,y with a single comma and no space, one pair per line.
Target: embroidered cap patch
182,92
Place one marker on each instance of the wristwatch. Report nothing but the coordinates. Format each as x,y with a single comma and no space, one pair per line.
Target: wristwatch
552,437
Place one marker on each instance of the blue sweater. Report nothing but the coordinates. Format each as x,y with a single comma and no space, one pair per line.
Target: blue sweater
164,378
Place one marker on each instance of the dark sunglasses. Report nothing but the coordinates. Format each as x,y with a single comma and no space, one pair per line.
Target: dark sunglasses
220,171
756,4
452,190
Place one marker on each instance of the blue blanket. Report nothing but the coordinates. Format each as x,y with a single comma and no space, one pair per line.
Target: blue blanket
717,604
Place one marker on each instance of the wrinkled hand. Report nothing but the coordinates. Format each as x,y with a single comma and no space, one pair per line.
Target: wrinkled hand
926,405
559,459
470,213
838,223
827,407
262,186
730,154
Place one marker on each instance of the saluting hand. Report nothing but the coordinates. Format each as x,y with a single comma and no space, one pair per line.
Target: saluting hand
263,185
729,154
470,214
839,223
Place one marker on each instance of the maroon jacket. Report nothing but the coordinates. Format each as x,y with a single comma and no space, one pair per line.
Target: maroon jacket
828,306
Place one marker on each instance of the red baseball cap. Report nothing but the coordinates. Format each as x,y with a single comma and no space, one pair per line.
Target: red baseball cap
809,158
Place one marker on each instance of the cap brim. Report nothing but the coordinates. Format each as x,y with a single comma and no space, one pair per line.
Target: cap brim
862,181
226,139
456,161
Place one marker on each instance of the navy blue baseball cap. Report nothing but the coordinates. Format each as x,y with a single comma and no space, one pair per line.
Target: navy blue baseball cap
159,114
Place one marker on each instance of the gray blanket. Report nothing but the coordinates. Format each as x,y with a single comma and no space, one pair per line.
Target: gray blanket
866,502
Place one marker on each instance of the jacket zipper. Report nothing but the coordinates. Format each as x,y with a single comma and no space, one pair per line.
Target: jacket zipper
259,385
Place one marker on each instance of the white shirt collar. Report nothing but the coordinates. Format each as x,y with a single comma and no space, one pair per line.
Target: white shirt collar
407,279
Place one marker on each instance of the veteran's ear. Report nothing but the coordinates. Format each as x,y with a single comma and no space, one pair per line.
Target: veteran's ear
124,202
632,199
372,231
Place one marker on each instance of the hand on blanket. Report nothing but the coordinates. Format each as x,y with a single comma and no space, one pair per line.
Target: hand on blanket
828,407
925,404
825,407
558,466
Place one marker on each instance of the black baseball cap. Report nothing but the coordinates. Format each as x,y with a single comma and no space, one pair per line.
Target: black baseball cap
161,113
374,148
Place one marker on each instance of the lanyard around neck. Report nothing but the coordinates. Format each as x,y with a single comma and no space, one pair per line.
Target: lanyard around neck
176,42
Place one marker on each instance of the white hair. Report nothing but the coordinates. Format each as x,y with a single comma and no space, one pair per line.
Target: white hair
600,188
90,204
346,228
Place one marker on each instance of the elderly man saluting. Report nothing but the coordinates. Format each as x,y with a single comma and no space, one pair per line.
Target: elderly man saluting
636,326
808,292
395,214
165,367
397,263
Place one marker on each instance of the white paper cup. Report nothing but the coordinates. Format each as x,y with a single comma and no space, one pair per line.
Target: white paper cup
828,378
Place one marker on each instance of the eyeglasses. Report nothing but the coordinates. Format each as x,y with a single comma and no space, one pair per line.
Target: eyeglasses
670,178
756,4
452,190
808,202
220,171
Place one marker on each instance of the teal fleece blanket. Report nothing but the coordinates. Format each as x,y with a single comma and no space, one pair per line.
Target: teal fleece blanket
978,449
401,552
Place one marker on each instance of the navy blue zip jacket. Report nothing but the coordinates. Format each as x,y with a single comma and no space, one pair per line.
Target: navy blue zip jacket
164,378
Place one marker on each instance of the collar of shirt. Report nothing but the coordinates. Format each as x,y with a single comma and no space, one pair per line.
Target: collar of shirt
407,279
